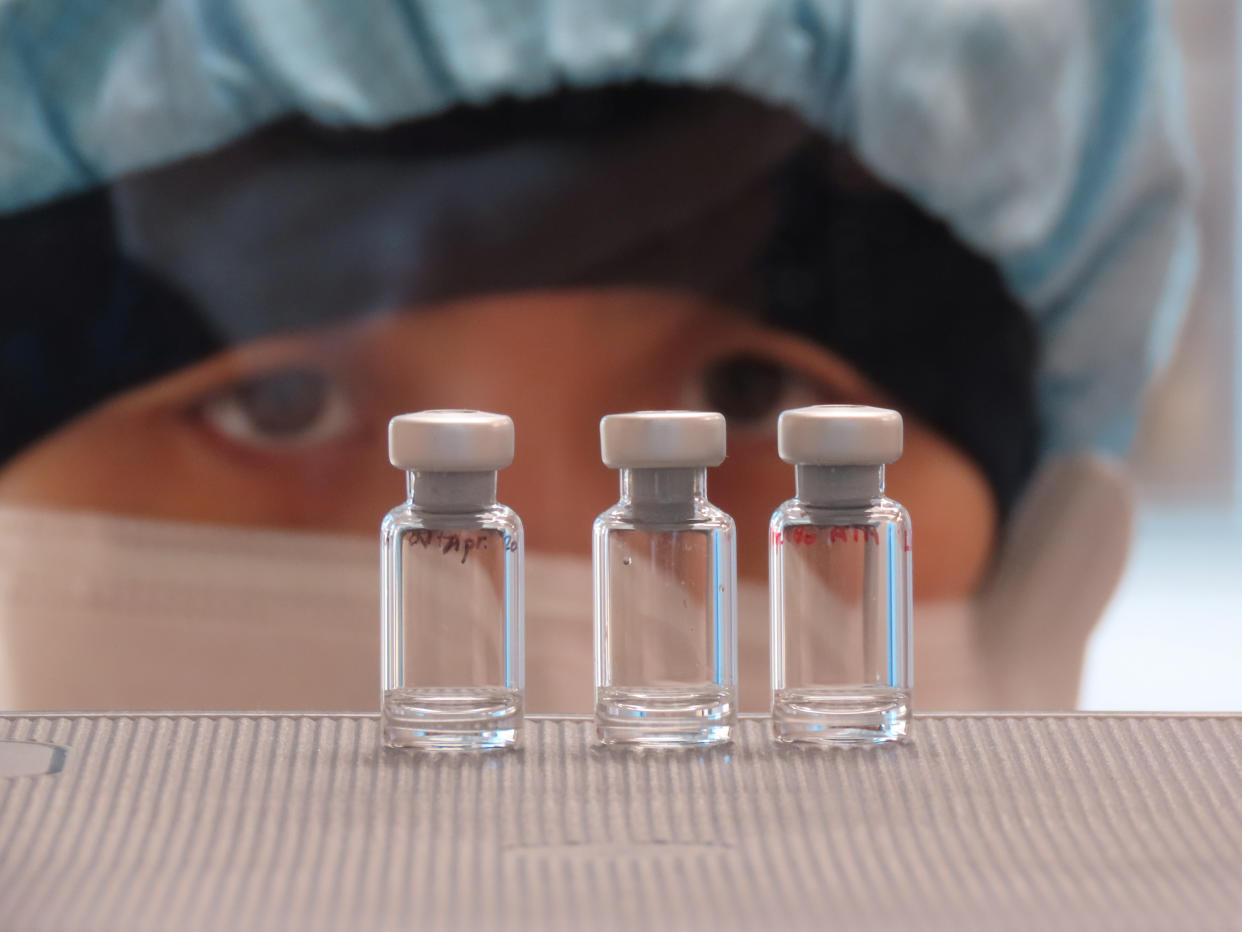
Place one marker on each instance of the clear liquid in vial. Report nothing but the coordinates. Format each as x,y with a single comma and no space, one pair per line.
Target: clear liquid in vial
453,658
862,715
453,717
666,665
840,591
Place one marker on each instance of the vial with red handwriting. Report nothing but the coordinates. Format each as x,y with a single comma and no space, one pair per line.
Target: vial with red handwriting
839,566
452,665
665,586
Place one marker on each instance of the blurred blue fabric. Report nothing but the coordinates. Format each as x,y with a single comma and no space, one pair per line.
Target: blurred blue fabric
1049,134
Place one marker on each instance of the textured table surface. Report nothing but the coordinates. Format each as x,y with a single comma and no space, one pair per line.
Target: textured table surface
244,822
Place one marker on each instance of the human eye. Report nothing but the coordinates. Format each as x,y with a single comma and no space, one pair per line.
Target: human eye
283,409
751,389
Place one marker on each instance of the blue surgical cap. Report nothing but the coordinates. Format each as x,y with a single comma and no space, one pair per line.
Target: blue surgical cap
1049,134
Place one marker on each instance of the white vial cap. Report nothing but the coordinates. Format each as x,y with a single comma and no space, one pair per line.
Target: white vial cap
662,439
839,435
450,441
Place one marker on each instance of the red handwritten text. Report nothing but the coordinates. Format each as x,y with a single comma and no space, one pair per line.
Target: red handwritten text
806,536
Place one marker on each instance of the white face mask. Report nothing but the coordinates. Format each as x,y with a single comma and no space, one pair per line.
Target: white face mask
100,612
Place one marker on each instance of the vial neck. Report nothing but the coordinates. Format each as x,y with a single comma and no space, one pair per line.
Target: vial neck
664,494
451,491
839,485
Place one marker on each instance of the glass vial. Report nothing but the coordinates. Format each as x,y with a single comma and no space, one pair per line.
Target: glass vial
839,561
665,586
452,665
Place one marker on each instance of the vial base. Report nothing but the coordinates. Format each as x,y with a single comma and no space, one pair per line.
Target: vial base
459,718
858,716
665,716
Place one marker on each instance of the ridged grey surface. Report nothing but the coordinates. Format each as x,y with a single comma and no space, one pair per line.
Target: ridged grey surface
254,822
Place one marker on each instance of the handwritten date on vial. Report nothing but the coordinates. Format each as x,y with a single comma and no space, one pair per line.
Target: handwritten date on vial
832,535
455,542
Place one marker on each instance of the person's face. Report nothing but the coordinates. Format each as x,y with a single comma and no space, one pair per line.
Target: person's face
291,431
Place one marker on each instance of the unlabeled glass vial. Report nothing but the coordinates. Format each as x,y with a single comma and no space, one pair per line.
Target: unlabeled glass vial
452,667
839,560
665,586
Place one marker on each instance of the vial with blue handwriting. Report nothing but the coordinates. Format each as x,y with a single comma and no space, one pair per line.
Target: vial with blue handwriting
839,565
665,586
452,665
